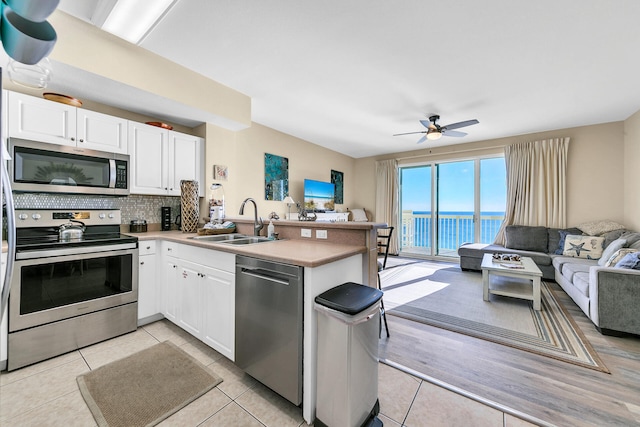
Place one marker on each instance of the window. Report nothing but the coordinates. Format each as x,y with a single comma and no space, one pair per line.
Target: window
446,204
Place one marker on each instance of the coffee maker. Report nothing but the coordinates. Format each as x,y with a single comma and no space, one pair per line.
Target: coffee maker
165,218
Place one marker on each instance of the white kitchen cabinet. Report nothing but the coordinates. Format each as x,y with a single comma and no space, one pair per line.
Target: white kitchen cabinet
186,158
56,123
148,288
97,131
169,292
41,120
199,293
189,296
218,321
160,159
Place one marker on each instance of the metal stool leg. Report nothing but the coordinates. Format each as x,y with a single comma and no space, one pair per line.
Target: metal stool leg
383,313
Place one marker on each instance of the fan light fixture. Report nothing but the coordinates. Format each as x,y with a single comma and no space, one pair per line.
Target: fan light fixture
433,134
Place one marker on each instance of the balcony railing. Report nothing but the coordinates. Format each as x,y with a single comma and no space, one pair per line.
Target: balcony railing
453,230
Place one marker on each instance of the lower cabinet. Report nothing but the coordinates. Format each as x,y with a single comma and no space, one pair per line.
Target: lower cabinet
219,292
198,297
148,297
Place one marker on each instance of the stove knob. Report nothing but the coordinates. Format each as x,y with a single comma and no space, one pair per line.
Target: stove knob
36,216
23,217
111,216
101,216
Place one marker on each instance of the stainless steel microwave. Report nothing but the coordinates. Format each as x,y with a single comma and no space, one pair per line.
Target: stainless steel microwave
48,168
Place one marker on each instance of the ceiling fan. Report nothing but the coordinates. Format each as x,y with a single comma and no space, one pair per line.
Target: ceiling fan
435,131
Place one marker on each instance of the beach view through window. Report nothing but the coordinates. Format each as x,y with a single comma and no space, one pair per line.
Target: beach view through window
446,204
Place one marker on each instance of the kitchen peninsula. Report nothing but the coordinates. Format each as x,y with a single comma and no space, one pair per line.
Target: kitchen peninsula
339,232
326,264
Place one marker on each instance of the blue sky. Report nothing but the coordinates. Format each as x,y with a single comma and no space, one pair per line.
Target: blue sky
456,186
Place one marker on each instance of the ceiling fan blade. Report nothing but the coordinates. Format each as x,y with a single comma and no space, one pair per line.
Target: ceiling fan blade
461,124
409,133
421,140
425,123
454,133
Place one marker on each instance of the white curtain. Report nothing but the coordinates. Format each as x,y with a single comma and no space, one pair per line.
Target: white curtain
536,184
387,198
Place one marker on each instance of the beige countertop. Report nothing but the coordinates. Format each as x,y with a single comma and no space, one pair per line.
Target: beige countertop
292,251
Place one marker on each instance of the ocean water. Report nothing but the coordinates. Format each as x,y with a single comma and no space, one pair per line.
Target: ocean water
454,228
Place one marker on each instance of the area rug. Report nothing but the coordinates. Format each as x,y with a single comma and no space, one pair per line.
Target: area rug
146,387
441,295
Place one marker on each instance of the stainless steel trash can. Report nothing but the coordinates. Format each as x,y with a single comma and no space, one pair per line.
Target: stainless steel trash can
347,382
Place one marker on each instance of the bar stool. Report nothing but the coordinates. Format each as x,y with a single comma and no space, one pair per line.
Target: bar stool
384,241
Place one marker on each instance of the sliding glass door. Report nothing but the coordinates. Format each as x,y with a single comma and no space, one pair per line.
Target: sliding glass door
415,198
456,206
446,204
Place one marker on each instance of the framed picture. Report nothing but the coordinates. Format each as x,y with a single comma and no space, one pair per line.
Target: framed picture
220,172
337,178
276,177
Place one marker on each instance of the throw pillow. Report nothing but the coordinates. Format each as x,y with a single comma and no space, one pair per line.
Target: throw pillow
526,238
596,228
589,247
613,247
563,235
618,255
359,215
613,235
630,261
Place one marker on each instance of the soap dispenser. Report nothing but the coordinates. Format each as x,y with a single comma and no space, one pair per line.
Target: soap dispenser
270,230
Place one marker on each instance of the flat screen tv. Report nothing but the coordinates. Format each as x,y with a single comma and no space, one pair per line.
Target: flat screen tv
319,196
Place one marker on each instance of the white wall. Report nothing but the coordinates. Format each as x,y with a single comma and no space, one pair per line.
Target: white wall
243,152
632,172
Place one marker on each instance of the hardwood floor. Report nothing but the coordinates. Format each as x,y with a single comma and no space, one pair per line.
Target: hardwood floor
551,390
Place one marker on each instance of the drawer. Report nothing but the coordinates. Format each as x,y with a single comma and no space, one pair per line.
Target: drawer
146,247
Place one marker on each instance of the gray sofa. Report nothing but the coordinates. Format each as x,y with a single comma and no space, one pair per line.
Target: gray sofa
609,296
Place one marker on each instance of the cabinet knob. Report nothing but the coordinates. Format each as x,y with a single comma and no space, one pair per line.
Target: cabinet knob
141,262
73,139
148,247
169,249
81,140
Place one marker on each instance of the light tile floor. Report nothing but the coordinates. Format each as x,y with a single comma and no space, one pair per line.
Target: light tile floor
46,394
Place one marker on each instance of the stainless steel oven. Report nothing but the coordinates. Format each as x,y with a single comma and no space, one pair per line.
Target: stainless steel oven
69,293
50,168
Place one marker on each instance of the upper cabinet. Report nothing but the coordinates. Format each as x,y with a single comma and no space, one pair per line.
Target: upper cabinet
41,120
47,121
161,158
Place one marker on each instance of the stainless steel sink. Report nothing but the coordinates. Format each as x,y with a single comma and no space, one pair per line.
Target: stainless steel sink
219,237
246,241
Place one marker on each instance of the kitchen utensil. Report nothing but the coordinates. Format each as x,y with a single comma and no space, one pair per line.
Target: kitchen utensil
160,125
63,99
24,40
33,10
138,226
72,230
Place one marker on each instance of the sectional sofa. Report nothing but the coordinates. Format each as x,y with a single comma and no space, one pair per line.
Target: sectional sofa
582,260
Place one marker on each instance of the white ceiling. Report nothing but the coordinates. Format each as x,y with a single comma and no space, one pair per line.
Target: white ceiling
347,75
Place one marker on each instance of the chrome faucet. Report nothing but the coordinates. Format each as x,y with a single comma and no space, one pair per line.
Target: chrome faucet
257,221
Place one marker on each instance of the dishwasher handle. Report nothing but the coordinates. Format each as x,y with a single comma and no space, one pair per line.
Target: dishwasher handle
261,273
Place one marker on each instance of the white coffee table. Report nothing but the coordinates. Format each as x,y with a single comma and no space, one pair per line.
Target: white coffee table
528,271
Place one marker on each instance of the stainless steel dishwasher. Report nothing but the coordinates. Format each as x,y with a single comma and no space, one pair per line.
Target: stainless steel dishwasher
269,324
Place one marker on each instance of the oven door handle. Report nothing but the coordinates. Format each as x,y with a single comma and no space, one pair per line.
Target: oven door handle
74,251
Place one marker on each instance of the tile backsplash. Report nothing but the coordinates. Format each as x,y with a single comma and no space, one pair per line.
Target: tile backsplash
132,207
